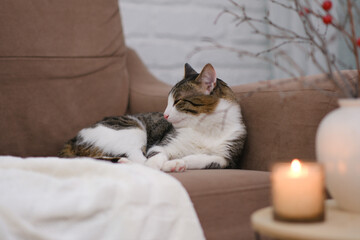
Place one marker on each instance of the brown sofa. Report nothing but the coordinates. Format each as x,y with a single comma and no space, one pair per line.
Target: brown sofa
64,65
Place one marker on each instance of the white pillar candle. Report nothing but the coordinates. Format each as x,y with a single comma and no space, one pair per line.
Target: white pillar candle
298,191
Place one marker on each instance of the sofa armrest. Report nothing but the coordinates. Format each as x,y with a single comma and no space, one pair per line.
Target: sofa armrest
282,117
147,94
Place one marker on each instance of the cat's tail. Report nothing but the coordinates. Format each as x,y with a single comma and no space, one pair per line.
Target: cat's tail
72,149
69,150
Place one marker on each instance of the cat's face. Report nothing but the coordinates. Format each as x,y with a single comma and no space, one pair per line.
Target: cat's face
192,97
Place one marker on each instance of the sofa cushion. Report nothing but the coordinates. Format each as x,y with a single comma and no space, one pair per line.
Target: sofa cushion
62,67
224,199
282,117
69,28
147,94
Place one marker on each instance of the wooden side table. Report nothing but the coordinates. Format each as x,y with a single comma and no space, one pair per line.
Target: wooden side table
338,225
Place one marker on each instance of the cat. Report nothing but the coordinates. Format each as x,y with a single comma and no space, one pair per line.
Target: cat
201,127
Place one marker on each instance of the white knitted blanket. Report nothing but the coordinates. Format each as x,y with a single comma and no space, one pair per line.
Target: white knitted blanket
52,198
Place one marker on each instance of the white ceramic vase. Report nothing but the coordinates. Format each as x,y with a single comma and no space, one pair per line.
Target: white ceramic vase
338,148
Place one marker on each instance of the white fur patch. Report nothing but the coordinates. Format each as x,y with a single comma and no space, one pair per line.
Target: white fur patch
205,133
116,142
170,107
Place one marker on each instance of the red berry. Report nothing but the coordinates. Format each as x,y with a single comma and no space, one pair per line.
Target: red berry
327,5
307,10
327,19
358,42
304,11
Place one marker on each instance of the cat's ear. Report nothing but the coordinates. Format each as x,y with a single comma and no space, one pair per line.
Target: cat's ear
207,79
189,70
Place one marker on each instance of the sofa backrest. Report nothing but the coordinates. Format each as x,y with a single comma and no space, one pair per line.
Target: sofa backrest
282,117
62,67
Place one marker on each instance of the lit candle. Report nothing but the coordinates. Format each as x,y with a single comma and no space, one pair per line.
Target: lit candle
298,191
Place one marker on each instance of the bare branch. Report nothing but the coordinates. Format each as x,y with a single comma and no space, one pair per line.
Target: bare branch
314,41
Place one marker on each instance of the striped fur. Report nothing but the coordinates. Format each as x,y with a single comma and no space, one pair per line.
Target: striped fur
201,127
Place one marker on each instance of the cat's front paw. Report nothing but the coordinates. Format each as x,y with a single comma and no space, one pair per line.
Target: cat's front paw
176,165
124,160
156,161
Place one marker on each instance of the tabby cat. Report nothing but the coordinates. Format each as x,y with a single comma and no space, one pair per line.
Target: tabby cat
201,127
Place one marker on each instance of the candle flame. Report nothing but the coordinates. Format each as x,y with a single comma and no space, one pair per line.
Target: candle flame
296,166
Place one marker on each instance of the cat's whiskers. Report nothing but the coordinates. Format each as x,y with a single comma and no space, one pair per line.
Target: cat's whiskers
177,121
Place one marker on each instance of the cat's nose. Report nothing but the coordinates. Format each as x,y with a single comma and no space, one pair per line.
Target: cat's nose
166,116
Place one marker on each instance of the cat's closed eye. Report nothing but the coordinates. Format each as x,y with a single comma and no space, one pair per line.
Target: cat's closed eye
195,102
177,101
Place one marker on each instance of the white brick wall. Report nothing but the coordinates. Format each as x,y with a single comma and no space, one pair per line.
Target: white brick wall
165,32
